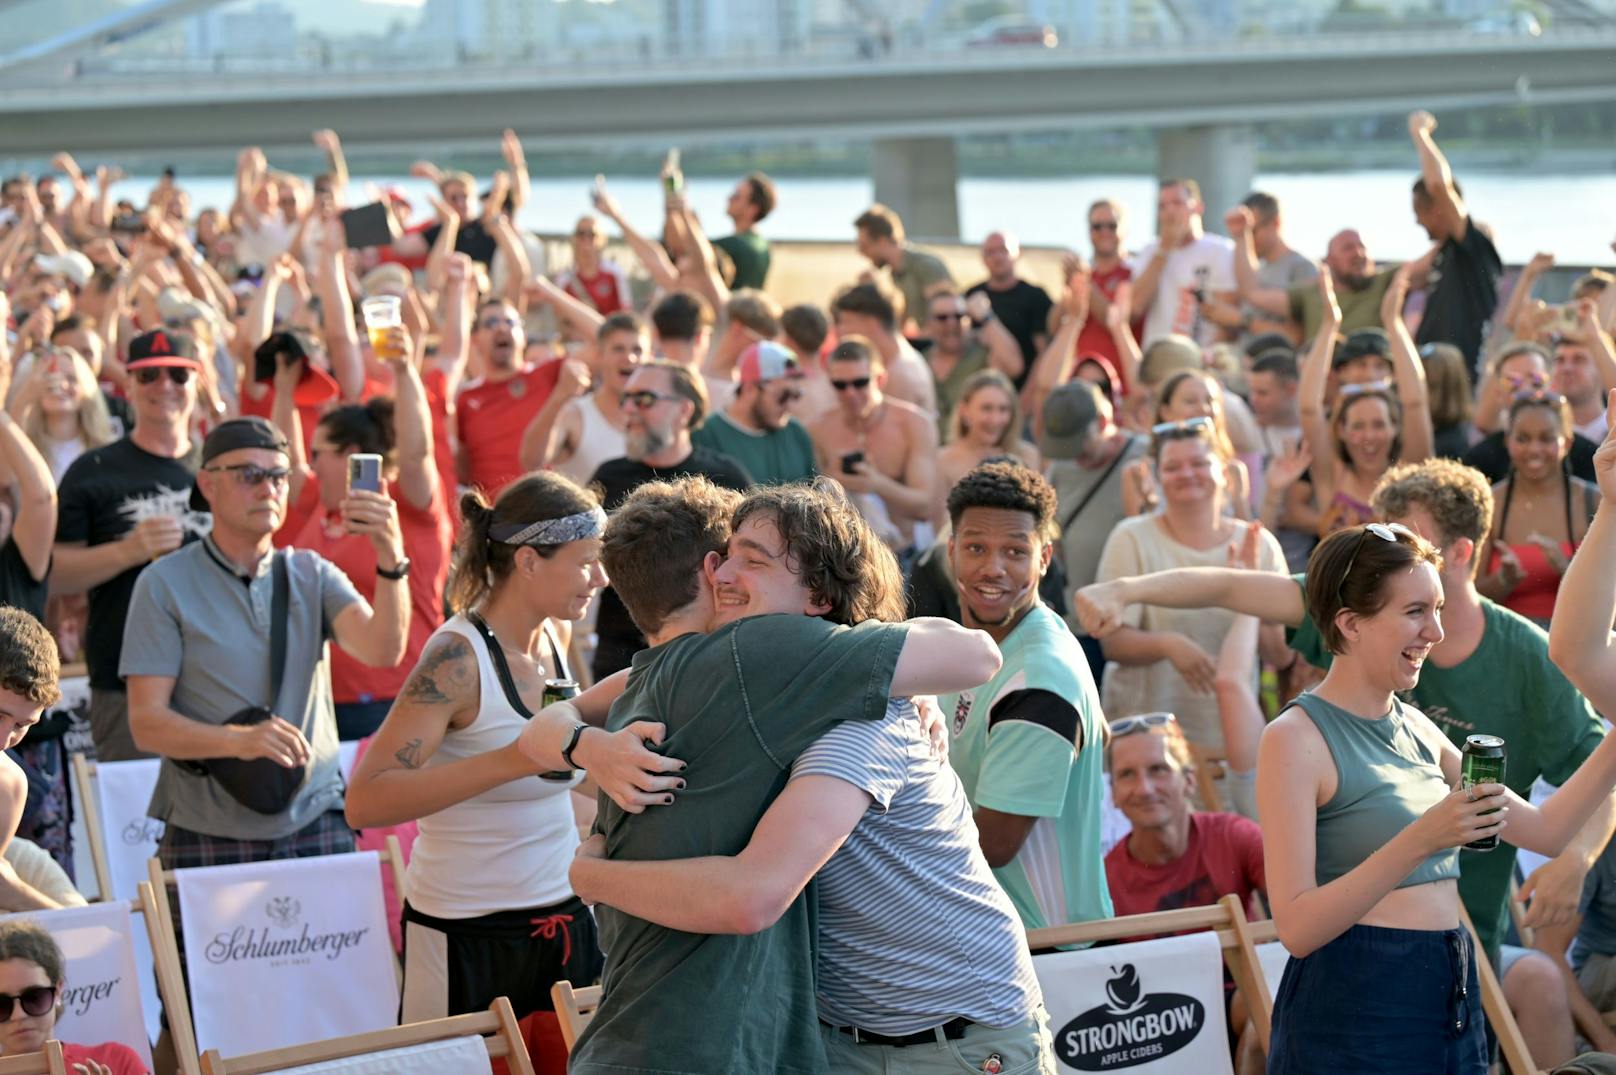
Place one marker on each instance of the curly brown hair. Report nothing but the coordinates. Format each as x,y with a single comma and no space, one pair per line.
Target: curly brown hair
656,541
30,665
831,549
1008,484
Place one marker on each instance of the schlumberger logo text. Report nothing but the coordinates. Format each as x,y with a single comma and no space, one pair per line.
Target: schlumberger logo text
1132,1028
244,943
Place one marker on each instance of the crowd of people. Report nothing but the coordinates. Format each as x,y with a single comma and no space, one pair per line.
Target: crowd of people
650,600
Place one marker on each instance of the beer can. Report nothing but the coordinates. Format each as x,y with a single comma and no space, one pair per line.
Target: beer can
560,690
1483,764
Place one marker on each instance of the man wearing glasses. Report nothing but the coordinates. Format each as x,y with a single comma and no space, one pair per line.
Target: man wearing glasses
757,429
957,352
592,279
663,404
198,648
496,408
1109,277
122,506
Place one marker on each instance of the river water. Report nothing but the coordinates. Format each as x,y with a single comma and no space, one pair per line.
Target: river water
1571,216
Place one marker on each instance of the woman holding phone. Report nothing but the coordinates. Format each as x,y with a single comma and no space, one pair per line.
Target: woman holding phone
386,443
1364,815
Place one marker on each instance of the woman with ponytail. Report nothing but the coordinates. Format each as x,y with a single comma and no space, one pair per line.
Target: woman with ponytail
489,911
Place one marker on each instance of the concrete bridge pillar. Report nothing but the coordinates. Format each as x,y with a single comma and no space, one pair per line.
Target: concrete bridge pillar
1222,158
919,177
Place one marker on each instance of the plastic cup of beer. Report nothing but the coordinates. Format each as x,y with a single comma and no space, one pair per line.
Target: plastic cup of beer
382,313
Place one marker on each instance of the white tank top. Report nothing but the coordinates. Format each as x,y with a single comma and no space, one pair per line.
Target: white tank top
510,847
598,441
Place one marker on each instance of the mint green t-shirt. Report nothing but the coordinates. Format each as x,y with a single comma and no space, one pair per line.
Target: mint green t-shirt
773,458
1015,745
1509,688
739,705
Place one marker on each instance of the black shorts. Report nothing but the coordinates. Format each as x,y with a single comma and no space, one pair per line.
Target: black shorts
453,966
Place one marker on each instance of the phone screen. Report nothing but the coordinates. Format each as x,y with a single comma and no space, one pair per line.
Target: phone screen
365,472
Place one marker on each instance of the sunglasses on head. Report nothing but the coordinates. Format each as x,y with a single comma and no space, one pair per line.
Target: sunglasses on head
1365,386
1392,532
35,1000
1189,427
250,474
492,323
1127,725
856,382
645,399
153,374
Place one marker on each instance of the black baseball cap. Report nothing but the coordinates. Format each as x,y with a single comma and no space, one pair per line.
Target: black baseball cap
1363,342
162,347
249,432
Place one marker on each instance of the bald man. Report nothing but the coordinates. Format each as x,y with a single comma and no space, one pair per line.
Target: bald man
1021,307
1359,286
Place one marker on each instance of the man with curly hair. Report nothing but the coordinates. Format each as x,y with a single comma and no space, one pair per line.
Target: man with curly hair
1028,744
29,671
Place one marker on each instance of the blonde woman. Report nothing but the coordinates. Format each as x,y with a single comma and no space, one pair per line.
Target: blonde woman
61,408
986,423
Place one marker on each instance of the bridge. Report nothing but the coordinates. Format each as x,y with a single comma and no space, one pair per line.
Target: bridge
1202,97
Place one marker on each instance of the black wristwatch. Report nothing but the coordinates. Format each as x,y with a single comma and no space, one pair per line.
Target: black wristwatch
402,571
572,744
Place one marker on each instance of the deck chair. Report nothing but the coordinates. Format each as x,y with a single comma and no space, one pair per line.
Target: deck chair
574,1008
107,997
171,979
118,858
48,1061
1499,1017
501,1037
1210,766
1226,918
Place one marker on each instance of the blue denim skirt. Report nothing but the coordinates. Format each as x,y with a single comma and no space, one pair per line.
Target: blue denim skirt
1380,1000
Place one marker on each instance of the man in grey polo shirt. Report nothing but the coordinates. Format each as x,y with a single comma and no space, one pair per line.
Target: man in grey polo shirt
196,652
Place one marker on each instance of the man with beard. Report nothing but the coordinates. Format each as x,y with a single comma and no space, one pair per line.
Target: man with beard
581,425
663,404
756,429
957,353
1359,287
1029,744
496,408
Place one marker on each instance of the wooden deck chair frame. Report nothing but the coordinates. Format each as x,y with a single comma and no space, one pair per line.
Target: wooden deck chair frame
1209,767
1226,918
48,1061
166,957
83,771
1510,1042
574,1008
497,1026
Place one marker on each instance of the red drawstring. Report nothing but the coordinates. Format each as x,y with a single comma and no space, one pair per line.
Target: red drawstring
550,926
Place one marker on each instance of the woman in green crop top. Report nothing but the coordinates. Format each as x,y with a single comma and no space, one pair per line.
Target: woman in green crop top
1362,821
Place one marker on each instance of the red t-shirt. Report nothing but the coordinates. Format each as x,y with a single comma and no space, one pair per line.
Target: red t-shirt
492,418
604,291
1224,855
435,381
427,539
1095,336
121,1059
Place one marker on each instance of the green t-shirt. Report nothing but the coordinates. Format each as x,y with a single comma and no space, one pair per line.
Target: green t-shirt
920,273
773,458
1359,309
739,705
973,360
1014,745
1509,688
750,253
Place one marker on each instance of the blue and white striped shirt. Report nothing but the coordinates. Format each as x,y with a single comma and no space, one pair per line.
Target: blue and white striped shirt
913,929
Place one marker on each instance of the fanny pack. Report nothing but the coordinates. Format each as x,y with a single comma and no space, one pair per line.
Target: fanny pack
261,785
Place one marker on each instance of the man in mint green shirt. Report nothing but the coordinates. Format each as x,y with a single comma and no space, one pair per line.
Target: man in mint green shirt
1027,745
756,429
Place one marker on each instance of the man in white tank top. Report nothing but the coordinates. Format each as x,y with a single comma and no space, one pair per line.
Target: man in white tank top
578,429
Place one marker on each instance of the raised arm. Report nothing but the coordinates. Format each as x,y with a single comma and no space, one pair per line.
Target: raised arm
548,438
651,255
34,528
941,657
1148,277
1004,353
1520,296
1409,372
331,146
1437,175
1579,633
518,269
510,147
376,635
412,424
1310,392
1275,301
1270,597
337,313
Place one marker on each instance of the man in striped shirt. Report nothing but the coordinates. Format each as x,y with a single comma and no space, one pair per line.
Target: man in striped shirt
922,964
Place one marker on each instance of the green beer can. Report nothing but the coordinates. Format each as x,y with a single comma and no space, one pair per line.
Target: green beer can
560,690
1483,764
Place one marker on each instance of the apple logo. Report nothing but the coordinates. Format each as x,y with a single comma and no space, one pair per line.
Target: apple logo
1123,989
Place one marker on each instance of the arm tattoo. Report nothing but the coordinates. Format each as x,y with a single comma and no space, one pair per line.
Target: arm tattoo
444,673
409,755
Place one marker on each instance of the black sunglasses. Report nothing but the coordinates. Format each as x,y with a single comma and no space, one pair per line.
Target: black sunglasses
1103,225
856,382
646,399
949,315
153,374
250,474
35,1000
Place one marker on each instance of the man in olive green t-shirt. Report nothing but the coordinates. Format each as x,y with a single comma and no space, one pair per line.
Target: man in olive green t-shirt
738,706
1359,287
752,199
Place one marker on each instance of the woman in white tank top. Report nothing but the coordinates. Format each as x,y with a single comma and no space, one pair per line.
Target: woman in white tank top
488,909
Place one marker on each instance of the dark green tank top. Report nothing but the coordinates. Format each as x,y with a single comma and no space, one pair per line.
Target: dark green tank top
1386,777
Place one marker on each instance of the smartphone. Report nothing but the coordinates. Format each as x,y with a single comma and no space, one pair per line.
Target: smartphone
1566,317
851,460
369,225
129,223
365,472
597,190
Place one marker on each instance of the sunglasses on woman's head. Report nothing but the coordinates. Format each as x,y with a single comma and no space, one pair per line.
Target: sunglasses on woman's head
153,374
1365,386
1128,725
1189,427
35,1000
1539,395
1385,532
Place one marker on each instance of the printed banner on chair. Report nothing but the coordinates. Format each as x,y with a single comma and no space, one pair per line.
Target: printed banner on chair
101,1000
1150,1008
123,791
286,952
